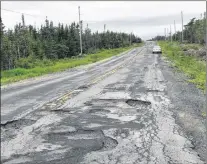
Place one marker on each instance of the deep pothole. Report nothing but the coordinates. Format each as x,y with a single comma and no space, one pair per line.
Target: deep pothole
138,103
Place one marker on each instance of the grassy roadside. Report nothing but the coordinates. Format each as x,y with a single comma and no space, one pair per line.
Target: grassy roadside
18,74
190,65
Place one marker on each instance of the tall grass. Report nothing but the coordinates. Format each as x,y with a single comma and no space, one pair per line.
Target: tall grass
18,74
194,68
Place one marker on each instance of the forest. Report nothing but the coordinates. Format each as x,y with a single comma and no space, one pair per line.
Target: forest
26,45
193,32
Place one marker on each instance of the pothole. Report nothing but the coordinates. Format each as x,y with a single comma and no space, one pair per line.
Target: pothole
109,143
158,98
106,102
138,103
83,87
146,68
16,124
117,87
124,133
61,110
139,82
10,128
99,111
77,135
93,140
153,90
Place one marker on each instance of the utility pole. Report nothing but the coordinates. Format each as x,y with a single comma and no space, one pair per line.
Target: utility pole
175,29
130,38
170,34
104,28
165,33
80,24
182,26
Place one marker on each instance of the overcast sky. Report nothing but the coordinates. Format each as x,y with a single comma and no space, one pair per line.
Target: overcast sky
145,19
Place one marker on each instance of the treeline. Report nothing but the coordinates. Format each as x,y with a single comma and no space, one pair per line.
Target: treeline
194,32
26,43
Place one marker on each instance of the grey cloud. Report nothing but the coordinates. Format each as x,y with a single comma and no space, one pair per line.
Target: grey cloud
150,21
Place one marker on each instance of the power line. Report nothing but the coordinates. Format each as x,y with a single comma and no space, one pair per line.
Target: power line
22,13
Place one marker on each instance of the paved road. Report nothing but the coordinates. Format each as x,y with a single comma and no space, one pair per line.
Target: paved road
19,99
127,110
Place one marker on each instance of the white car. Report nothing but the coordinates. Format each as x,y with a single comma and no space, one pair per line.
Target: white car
156,49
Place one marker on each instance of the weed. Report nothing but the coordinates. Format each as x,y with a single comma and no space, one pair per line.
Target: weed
190,65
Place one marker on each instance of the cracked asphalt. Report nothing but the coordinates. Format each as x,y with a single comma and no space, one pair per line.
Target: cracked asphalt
132,109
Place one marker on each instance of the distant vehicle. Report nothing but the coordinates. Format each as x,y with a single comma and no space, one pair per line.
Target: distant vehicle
156,49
